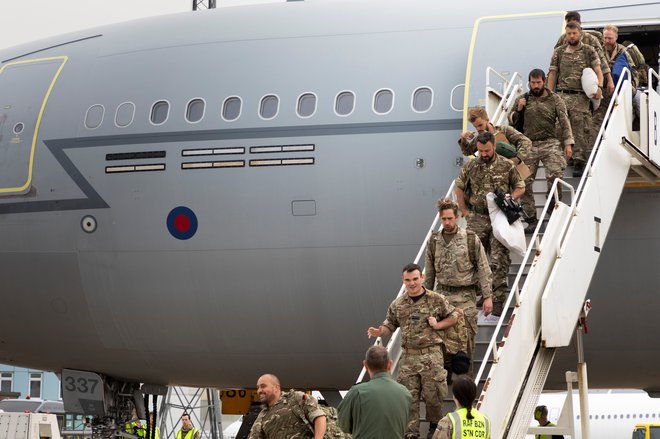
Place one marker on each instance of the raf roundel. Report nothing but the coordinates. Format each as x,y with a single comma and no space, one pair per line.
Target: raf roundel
182,223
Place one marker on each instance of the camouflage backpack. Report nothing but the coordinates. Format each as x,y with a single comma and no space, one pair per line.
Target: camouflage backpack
296,401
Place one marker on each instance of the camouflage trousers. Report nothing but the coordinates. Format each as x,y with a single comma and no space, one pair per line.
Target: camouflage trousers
497,252
599,116
551,154
461,337
581,121
423,374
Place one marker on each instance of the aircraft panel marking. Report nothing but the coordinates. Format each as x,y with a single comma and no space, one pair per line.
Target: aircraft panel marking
93,200
23,188
182,223
207,165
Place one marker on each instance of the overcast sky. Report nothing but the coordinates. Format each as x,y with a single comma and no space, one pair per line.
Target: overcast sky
28,20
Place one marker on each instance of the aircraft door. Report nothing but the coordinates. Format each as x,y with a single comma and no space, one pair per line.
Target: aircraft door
25,87
508,44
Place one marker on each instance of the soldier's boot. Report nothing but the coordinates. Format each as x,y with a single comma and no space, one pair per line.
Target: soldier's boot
432,428
498,308
578,168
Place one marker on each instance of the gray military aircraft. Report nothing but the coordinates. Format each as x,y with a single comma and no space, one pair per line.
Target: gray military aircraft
199,198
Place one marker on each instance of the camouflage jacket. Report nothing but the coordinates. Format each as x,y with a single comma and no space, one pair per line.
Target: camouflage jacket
513,136
612,56
590,39
477,178
452,263
411,317
281,421
569,66
541,115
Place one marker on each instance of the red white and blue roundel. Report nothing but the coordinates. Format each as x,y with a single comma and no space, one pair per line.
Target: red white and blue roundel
182,223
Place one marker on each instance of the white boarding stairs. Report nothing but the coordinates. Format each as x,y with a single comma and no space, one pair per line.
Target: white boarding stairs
561,264
548,306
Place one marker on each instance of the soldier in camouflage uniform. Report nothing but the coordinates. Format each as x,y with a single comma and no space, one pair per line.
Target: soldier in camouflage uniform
542,110
594,39
455,264
421,315
477,178
479,119
612,52
566,68
281,415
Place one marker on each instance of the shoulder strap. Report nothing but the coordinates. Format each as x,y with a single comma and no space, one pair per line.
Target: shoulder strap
296,400
472,243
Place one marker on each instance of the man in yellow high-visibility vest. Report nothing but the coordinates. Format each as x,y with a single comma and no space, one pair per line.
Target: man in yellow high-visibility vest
541,415
187,430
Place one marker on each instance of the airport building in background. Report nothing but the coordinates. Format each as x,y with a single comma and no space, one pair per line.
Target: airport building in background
19,382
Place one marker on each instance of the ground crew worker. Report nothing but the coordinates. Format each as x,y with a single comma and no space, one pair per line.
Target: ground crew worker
612,52
466,421
280,419
477,178
156,430
135,426
566,68
478,117
594,39
379,408
422,315
541,415
455,264
542,109
187,430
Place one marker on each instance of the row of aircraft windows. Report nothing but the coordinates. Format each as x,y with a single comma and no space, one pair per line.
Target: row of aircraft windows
232,107
628,416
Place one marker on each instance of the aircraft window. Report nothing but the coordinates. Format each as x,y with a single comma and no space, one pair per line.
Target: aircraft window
231,109
195,110
18,128
159,112
609,416
590,416
344,103
125,114
94,116
306,105
383,101
422,99
269,107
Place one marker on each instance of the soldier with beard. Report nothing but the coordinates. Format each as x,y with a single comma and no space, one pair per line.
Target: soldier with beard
566,66
594,39
612,52
542,110
478,177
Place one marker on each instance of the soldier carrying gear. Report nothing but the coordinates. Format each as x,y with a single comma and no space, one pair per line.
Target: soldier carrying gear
544,110
566,66
477,178
455,266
